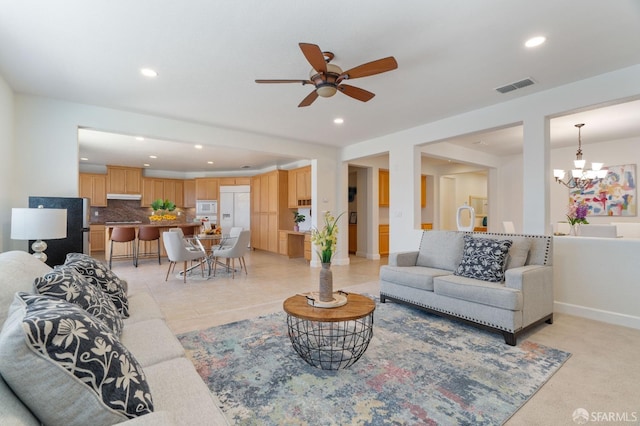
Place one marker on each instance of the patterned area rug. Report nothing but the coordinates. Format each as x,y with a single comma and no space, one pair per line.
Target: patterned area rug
418,369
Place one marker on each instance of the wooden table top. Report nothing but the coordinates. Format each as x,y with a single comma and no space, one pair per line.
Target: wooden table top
357,306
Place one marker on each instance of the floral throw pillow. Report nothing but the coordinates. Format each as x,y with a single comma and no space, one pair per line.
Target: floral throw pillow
484,259
99,275
68,367
67,284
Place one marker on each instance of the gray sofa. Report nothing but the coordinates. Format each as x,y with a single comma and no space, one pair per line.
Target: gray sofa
441,278
180,397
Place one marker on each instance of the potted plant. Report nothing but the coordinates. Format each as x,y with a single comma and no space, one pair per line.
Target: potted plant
162,210
297,218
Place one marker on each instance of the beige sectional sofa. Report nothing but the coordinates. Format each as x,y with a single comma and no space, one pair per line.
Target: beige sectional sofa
178,394
500,282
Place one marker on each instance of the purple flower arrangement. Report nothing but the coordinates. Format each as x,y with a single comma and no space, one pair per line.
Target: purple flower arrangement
577,213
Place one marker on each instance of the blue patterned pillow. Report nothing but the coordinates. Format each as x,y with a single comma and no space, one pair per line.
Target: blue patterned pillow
68,367
99,275
67,284
484,258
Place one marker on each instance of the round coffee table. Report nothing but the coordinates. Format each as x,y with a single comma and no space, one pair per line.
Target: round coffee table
330,338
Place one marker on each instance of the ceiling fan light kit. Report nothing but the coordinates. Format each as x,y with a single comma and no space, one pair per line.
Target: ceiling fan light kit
327,78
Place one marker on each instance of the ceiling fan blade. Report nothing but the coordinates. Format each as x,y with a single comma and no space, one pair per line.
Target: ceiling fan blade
314,55
309,99
371,68
285,81
356,92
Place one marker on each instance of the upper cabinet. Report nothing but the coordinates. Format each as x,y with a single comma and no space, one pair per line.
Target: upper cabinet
383,188
94,187
189,194
124,180
299,188
231,181
165,189
207,188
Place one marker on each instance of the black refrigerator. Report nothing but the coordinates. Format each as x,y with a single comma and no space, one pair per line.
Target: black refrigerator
77,240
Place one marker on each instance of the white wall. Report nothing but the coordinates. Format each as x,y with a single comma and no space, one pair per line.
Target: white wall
514,189
45,160
6,161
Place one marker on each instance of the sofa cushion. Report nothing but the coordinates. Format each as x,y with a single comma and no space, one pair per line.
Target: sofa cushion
484,258
68,367
180,390
411,276
98,274
440,250
151,342
65,283
518,252
18,269
477,291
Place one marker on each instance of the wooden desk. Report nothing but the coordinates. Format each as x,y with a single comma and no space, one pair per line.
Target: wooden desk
291,243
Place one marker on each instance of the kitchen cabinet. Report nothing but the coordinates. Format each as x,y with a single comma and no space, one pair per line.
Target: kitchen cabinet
426,226
353,237
423,191
383,240
164,189
383,188
94,187
124,180
269,211
207,188
96,238
299,191
307,246
189,193
231,181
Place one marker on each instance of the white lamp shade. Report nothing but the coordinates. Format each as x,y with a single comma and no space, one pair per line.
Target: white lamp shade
38,224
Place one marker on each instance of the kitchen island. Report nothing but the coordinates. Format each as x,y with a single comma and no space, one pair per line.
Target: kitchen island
121,249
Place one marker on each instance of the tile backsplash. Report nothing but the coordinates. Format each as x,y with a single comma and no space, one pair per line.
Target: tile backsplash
130,210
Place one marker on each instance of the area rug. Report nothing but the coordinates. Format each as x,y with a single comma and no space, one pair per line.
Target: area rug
418,369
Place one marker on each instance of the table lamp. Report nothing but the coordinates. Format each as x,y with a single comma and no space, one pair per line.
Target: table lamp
38,224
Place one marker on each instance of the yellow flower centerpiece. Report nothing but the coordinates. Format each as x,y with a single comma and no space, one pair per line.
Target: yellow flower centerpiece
162,210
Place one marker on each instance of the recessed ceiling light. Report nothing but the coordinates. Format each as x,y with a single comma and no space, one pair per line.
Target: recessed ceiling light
197,146
209,162
338,120
84,159
153,156
146,164
148,72
535,41
139,138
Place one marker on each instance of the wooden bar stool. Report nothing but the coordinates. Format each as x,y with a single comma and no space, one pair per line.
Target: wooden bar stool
123,235
148,233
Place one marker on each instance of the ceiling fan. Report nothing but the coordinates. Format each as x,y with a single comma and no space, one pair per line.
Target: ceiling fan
327,77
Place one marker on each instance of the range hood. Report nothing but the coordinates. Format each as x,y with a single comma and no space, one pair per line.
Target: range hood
124,196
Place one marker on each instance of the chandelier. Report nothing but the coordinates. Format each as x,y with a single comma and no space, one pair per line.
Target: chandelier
579,176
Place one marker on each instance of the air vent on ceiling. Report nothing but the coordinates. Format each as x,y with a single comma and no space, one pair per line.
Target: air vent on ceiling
517,85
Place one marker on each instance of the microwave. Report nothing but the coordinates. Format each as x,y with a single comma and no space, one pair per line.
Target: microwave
206,207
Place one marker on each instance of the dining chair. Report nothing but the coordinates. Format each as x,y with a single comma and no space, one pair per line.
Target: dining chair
233,234
236,251
177,252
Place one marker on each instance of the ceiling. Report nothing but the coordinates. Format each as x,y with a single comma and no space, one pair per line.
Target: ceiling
451,56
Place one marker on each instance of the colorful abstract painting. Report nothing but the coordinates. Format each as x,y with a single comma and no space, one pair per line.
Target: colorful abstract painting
615,195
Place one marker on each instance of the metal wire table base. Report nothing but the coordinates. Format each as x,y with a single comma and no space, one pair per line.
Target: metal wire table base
330,345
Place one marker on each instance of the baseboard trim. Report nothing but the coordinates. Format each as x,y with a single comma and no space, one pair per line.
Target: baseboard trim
598,315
